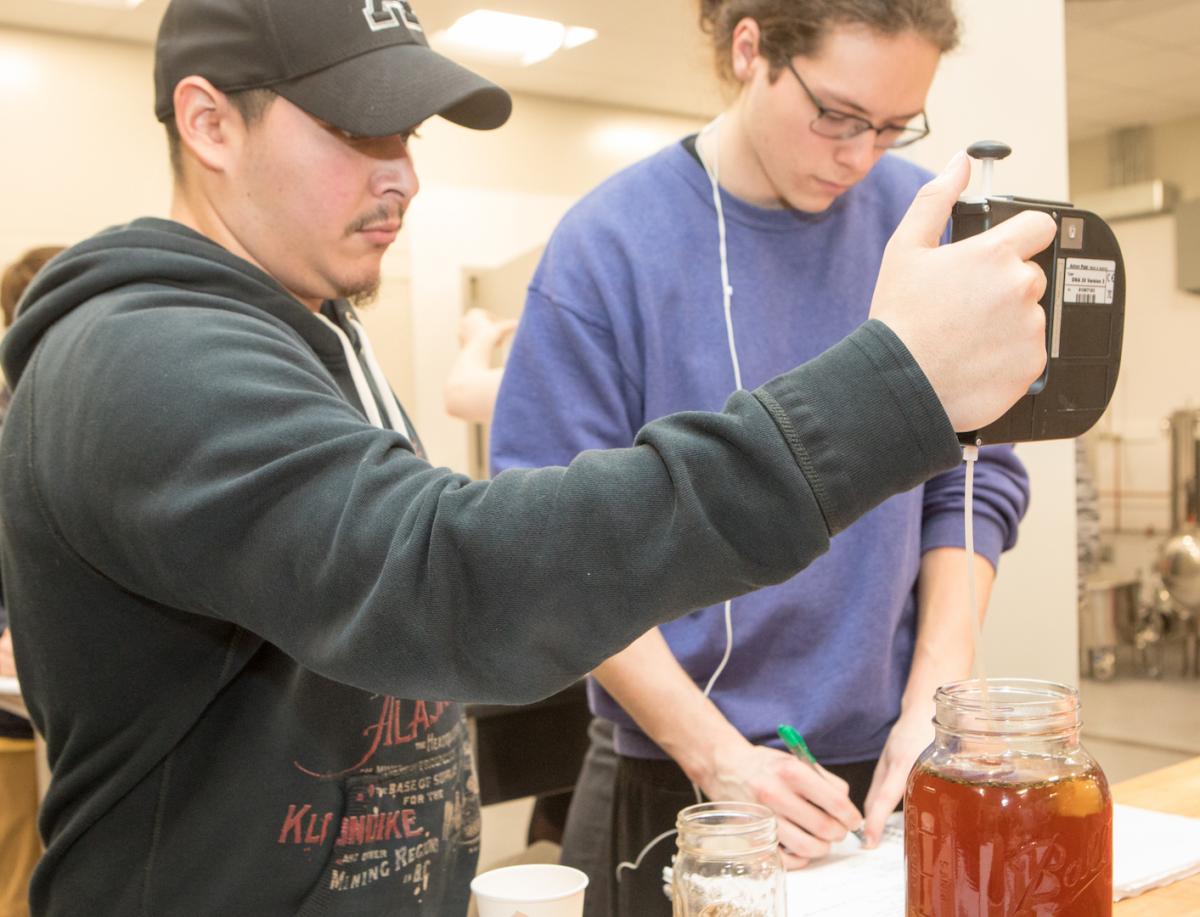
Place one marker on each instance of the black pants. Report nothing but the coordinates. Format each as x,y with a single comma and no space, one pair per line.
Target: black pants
647,799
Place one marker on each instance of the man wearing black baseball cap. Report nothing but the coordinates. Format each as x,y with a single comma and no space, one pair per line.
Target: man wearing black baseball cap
245,607
365,67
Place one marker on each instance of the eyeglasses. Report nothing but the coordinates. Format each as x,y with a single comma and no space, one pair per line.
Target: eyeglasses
840,125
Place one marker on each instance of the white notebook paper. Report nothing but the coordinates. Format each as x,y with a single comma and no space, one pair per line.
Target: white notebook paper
851,881
1152,849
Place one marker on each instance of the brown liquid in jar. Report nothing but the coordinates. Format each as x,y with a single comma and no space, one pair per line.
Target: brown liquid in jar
1008,849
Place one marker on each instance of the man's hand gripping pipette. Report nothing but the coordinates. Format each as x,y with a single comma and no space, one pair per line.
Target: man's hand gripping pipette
979,334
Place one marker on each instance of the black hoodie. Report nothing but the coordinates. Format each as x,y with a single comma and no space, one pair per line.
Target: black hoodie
245,616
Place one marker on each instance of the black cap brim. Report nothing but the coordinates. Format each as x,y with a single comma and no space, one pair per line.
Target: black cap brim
390,90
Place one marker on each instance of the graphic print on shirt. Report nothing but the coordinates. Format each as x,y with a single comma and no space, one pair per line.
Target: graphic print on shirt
410,809
394,727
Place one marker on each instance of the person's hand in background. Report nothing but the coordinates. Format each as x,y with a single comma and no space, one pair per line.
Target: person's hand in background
8,665
473,383
909,737
481,325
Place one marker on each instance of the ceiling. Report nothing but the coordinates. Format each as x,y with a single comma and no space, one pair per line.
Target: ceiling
662,63
1129,62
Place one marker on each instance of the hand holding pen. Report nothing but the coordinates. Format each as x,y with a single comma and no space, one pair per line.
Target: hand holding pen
798,747
812,807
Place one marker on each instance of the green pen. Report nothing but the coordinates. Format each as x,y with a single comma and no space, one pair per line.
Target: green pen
798,747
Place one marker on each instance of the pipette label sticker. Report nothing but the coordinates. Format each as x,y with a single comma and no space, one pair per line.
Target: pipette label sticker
1089,280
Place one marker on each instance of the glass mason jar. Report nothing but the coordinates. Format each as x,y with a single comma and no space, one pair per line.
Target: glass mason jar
1006,814
728,864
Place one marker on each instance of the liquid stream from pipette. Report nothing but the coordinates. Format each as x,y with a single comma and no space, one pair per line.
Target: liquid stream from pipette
972,606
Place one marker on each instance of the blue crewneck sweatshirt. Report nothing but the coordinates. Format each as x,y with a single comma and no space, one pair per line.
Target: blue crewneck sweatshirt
624,323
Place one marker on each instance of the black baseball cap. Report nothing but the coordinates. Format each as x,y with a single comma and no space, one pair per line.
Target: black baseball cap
364,66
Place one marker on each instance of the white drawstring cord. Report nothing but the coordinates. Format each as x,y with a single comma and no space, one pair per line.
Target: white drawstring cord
365,395
390,404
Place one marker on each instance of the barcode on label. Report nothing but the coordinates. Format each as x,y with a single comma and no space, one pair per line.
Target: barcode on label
1089,280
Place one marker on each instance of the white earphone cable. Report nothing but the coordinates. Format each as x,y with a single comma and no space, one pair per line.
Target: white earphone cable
714,178
713,173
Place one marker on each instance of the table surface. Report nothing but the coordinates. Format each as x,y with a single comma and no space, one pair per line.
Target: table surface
1174,789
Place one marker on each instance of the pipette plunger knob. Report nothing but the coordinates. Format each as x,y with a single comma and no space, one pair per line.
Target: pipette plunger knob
989,149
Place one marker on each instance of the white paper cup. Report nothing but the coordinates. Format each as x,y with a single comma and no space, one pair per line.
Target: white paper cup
533,890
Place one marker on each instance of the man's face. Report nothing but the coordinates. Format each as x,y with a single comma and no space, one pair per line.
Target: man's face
881,78
315,207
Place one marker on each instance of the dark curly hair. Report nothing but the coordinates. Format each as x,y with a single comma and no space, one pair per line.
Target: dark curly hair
792,27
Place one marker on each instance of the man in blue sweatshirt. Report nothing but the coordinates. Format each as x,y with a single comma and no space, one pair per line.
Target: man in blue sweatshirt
626,321
246,609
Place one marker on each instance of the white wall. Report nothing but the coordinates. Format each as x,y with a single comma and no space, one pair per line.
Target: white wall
82,149
980,94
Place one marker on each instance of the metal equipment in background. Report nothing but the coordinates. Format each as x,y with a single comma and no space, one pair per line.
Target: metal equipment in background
1178,566
1184,430
1158,614
1085,312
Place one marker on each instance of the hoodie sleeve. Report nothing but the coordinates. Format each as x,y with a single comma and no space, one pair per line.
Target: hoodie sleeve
205,460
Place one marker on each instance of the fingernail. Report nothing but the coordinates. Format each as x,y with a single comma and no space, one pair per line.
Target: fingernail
954,161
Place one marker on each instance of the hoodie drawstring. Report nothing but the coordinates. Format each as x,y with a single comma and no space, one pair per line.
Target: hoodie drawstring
365,395
390,404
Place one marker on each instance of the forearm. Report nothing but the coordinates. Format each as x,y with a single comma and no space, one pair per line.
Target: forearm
651,686
473,382
531,579
471,391
944,647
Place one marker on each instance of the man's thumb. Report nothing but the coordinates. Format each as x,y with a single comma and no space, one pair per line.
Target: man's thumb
926,219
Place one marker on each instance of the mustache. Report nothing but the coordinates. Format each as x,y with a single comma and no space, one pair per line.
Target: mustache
383,215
